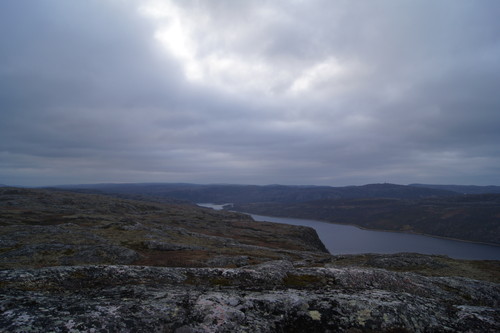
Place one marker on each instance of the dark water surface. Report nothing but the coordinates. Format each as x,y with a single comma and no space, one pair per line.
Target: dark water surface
347,239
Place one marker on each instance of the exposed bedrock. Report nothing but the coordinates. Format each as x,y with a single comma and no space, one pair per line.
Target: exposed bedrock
270,297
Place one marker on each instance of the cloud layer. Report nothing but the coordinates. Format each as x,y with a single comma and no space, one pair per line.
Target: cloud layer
291,92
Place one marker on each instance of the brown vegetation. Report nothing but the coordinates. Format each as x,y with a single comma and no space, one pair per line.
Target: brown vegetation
49,228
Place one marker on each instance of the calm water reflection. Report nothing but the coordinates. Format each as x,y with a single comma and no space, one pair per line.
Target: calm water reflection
346,239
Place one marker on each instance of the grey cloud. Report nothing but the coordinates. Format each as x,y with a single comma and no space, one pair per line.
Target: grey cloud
88,95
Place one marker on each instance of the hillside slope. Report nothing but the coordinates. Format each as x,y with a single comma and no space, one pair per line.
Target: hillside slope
50,228
473,217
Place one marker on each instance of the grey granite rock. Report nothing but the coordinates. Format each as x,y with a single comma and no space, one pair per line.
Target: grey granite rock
270,297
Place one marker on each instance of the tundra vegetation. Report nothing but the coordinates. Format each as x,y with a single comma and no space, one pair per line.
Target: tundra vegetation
75,262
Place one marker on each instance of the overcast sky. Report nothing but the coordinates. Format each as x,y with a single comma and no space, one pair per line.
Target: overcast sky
251,92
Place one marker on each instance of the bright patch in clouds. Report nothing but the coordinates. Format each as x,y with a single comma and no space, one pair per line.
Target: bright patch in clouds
209,53
317,74
173,33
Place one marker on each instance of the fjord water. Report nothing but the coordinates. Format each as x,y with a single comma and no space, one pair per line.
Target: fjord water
348,239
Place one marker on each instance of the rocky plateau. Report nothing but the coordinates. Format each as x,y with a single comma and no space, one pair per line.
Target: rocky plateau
90,263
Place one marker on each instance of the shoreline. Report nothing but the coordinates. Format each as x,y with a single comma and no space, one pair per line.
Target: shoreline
220,206
382,230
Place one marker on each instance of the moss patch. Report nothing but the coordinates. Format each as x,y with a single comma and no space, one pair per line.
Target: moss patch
220,281
302,281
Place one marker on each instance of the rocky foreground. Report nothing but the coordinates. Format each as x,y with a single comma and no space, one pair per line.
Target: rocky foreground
88,263
270,297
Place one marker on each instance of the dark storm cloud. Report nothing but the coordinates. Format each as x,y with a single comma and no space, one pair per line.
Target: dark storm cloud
297,92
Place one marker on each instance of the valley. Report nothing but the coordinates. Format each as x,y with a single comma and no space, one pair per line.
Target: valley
470,213
136,262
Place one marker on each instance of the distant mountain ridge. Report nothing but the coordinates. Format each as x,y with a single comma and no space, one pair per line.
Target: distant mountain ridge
269,193
462,189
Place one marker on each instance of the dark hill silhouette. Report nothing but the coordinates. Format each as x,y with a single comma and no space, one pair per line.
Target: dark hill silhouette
462,189
270,193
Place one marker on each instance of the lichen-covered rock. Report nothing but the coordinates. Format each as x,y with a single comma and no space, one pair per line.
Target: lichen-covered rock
405,261
225,261
270,297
